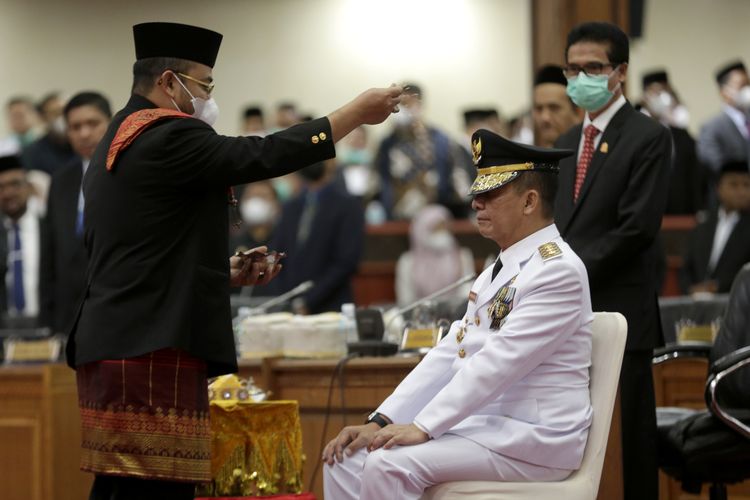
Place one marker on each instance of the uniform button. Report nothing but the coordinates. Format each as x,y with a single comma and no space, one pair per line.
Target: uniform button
460,336
461,353
314,139
322,136
476,320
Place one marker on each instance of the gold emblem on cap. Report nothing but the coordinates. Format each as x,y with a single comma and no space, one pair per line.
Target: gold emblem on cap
476,150
604,148
549,250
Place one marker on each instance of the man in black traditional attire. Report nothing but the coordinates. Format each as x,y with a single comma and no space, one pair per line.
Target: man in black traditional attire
155,320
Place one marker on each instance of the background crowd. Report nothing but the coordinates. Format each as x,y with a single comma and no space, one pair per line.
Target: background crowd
417,173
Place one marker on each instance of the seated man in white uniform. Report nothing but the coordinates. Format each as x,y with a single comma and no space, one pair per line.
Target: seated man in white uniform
504,396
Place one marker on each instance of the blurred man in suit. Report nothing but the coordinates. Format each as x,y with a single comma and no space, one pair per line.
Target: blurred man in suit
688,184
552,111
19,245
726,137
87,116
720,245
609,209
323,231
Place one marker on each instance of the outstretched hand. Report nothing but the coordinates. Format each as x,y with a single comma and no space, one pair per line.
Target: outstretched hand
371,107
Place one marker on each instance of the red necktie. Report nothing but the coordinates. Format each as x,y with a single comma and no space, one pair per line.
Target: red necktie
585,160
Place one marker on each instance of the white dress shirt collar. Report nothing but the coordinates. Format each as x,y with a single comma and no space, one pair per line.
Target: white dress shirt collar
601,121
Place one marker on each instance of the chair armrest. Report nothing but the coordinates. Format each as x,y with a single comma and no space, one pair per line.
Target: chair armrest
684,350
719,370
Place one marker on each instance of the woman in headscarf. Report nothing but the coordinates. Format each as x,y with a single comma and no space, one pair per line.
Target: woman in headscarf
434,260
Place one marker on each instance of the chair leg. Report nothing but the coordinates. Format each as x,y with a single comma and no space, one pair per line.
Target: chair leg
718,491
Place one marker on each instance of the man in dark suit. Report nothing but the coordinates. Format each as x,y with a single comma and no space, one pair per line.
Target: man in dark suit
20,231
155,320
323,231
726,137
87,116
609,208
720,245
688,183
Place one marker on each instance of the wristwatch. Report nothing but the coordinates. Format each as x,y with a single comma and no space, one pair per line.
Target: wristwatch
377,418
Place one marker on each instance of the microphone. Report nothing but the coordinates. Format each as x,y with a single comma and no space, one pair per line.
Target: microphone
400,312
379,346
284,297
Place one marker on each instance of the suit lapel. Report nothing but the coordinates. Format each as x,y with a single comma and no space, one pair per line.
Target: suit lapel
601,155
736,241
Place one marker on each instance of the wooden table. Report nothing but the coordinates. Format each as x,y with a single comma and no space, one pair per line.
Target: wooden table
40,434
366,383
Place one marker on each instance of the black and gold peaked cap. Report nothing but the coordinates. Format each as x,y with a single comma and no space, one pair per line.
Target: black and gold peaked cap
181,41
499,160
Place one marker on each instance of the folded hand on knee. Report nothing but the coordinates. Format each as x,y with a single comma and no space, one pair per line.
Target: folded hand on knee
349,440
394,434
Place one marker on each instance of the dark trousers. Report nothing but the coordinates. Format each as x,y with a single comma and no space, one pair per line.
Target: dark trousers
638,406
130,488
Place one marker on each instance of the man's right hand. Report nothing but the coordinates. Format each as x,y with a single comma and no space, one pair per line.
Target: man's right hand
349,440
369,108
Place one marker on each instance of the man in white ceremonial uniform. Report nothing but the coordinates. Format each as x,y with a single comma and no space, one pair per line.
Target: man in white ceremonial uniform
504,396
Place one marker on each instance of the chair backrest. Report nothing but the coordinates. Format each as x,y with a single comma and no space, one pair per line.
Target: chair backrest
608,346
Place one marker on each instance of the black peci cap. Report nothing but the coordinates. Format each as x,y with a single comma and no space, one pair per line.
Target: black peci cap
499,160
474,116
180,41
10,162
739,167
728,68
550,74
656,76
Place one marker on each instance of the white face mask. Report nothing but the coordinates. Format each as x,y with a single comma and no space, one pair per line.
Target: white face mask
205,110
59,127
742,98
440,241
256,211
680,117
660,104
404,117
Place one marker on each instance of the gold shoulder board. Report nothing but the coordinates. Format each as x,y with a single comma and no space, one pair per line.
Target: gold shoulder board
549,251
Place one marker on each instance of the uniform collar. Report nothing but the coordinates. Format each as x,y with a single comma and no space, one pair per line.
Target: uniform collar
520,251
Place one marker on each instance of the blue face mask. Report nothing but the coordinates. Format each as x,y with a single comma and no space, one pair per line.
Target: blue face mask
589,92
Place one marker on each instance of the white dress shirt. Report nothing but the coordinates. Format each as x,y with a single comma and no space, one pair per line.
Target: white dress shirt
724,227
28,224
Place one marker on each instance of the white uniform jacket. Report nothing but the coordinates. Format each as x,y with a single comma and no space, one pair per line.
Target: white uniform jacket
521,390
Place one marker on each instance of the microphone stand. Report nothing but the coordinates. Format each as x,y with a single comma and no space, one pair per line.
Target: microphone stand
400,312
284,297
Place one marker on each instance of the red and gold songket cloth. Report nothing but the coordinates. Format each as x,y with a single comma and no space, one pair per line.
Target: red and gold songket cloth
146,417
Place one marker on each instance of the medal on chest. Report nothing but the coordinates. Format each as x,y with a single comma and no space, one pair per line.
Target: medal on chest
501,305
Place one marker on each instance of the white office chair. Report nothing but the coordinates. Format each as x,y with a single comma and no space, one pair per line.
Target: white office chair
608,345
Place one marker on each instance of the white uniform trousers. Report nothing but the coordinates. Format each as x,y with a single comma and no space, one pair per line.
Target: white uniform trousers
404,472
